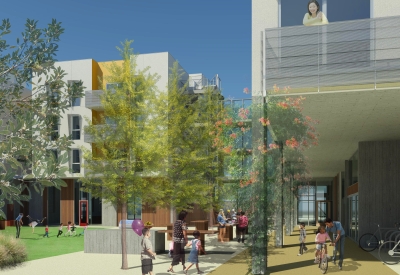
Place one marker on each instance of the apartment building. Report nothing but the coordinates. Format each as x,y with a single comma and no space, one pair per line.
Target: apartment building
349,73
70,203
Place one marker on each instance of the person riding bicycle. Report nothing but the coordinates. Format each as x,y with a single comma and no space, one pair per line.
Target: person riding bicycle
320,240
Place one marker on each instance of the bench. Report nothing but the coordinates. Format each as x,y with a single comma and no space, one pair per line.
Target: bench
202,234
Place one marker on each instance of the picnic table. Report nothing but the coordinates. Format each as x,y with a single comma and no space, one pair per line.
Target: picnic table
228,236
202,234
200,224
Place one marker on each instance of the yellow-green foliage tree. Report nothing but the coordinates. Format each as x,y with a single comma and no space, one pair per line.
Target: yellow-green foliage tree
125,155
192,166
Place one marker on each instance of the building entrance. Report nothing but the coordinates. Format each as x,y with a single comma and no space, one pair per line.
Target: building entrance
323,210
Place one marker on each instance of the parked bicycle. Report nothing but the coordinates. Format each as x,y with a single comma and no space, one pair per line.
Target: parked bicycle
369,242
389,252
323,259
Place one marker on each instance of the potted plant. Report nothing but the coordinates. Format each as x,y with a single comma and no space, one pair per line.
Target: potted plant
2,223
148,224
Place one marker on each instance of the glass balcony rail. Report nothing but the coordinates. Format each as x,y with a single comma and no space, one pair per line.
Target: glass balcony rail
92,99
349,55
240,109
199,82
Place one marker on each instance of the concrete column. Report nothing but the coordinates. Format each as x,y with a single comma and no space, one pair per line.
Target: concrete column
109,214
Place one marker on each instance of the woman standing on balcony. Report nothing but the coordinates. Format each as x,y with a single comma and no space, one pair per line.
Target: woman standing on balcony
314,16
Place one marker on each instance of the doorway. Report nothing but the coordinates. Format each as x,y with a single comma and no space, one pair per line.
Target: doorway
323,210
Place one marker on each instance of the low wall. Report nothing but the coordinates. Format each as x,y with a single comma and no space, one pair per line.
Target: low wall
108,241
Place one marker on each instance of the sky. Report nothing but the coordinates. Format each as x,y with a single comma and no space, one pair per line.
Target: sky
210,37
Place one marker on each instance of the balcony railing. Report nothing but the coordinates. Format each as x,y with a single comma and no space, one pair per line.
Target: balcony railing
200,82
92,99
350,55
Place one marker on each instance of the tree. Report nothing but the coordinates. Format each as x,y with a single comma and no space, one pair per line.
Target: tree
27,122
192,165
280,135
124,161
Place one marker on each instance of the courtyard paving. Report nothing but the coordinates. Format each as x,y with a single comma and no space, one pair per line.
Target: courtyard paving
222,259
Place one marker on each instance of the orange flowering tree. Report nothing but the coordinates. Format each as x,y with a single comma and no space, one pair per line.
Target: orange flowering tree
280,135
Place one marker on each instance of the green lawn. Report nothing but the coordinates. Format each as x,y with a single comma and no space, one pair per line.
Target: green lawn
38,247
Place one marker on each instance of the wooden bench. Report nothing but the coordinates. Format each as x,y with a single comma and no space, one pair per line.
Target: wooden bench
189,232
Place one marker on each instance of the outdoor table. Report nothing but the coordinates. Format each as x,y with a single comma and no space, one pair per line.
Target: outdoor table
189,232
200,224
228,236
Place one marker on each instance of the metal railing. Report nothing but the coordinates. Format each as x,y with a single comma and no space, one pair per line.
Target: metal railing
199,82
349,55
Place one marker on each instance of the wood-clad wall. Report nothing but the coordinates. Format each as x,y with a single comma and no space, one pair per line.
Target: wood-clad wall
352,189
67,202
378,189
158,216
196,215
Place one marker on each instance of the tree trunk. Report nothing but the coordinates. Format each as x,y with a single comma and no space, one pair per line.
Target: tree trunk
123,236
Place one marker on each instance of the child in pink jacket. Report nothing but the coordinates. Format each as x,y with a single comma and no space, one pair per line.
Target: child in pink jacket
320,239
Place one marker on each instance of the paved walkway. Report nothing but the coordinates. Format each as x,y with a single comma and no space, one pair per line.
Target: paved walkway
222,259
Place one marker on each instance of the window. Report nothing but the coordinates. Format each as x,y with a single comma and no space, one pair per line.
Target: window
76,161
113,86
292,11
75,101
75,127
55,125
342,10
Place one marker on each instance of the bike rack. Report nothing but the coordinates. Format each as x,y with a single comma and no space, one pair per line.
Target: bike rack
393,235
391,232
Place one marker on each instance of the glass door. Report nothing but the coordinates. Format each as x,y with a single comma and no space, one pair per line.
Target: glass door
83,213
322,210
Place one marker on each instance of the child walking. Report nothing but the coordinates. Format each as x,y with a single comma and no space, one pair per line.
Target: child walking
46,234
147,254
60,230
320,239
194,252
302,239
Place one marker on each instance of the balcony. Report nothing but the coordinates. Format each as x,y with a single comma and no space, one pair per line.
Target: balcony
88,138
342,56
92,99
198,82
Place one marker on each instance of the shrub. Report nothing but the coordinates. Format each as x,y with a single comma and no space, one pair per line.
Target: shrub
12,251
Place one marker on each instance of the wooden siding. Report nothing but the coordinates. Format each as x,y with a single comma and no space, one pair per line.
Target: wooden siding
196,215
67,202
157,215
352,189
378,192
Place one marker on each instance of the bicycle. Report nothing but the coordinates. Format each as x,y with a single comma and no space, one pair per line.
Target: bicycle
323,259
389,252
369,242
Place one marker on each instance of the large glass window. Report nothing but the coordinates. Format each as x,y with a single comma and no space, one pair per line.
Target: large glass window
342,10
353,215
75,127
293,11
76,161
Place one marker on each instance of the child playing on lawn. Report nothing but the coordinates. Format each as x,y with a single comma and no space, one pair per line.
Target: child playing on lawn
83,232
320,239
46,234
69,226
60,230
147,254
34,222
194,252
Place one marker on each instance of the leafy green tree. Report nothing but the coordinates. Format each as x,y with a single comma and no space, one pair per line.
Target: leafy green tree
124,160
192,166
27,122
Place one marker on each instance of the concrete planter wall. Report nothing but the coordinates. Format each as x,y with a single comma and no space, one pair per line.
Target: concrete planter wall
108,241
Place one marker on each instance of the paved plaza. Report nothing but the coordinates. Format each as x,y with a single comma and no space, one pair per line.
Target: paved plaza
222,259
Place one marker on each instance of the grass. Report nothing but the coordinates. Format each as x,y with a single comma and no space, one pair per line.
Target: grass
38,247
